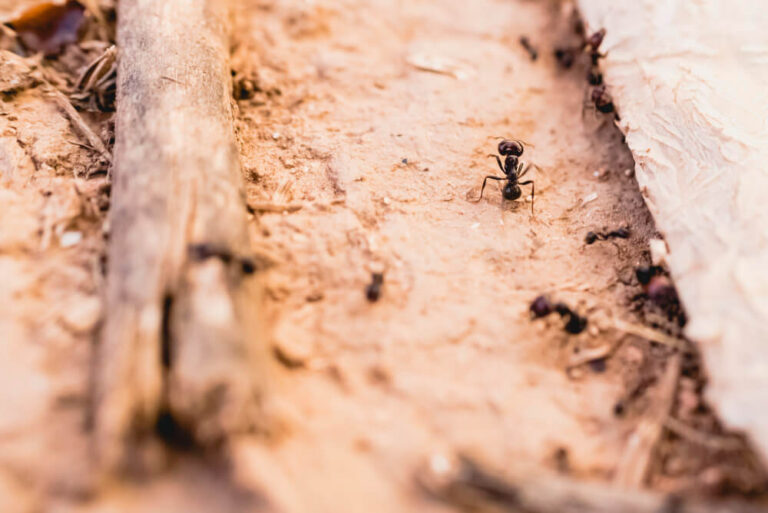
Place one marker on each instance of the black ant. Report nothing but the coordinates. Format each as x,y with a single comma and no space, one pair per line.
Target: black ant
656,285
565,57
592,46
594,76
602,101
592,237
542,307
513,170
373,290
659,289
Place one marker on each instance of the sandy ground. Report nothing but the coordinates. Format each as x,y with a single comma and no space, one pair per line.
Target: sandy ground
383,156
378,158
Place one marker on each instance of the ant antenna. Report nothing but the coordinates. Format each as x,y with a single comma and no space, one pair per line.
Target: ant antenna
526,143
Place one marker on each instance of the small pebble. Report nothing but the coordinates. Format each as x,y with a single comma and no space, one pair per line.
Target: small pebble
589,198
440,464
82,314
659,251
69,239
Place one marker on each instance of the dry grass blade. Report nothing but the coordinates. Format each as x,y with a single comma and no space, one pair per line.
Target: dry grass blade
641,446
649,334
79,123
470,486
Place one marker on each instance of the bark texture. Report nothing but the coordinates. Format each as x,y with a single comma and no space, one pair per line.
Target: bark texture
689,81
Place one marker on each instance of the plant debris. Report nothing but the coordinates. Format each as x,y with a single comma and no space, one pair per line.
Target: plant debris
533,53
48,27
97,85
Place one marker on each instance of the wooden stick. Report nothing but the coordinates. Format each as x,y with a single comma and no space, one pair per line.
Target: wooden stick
472,487
179,339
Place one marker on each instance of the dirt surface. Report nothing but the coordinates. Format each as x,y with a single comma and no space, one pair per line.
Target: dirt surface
382,155
54,194
365,129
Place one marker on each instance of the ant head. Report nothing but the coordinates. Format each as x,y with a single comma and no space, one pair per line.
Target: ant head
596,39
514,148
540,307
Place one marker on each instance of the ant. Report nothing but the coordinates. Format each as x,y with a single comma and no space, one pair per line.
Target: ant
513,170
602,100
542,307
656,285
594,76
592,46
565,57
659,289
592,237
373,290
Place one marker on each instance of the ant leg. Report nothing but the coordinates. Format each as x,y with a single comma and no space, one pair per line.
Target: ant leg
533,192
501,166
528,168
486,181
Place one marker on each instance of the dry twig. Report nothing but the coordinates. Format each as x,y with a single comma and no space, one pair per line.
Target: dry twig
179,342
471,487
641,446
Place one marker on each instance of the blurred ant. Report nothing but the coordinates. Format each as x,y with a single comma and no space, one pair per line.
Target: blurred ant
592,237
656,285
658,288
601,100
542,307
565,57
513,171
594,76
592,46
373,290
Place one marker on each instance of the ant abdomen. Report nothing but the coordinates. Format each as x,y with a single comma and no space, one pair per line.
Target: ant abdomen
511,192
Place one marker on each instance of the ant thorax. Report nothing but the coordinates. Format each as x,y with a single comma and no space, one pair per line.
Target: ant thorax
510,164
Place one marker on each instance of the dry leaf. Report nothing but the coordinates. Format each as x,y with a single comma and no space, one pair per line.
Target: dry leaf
49,26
